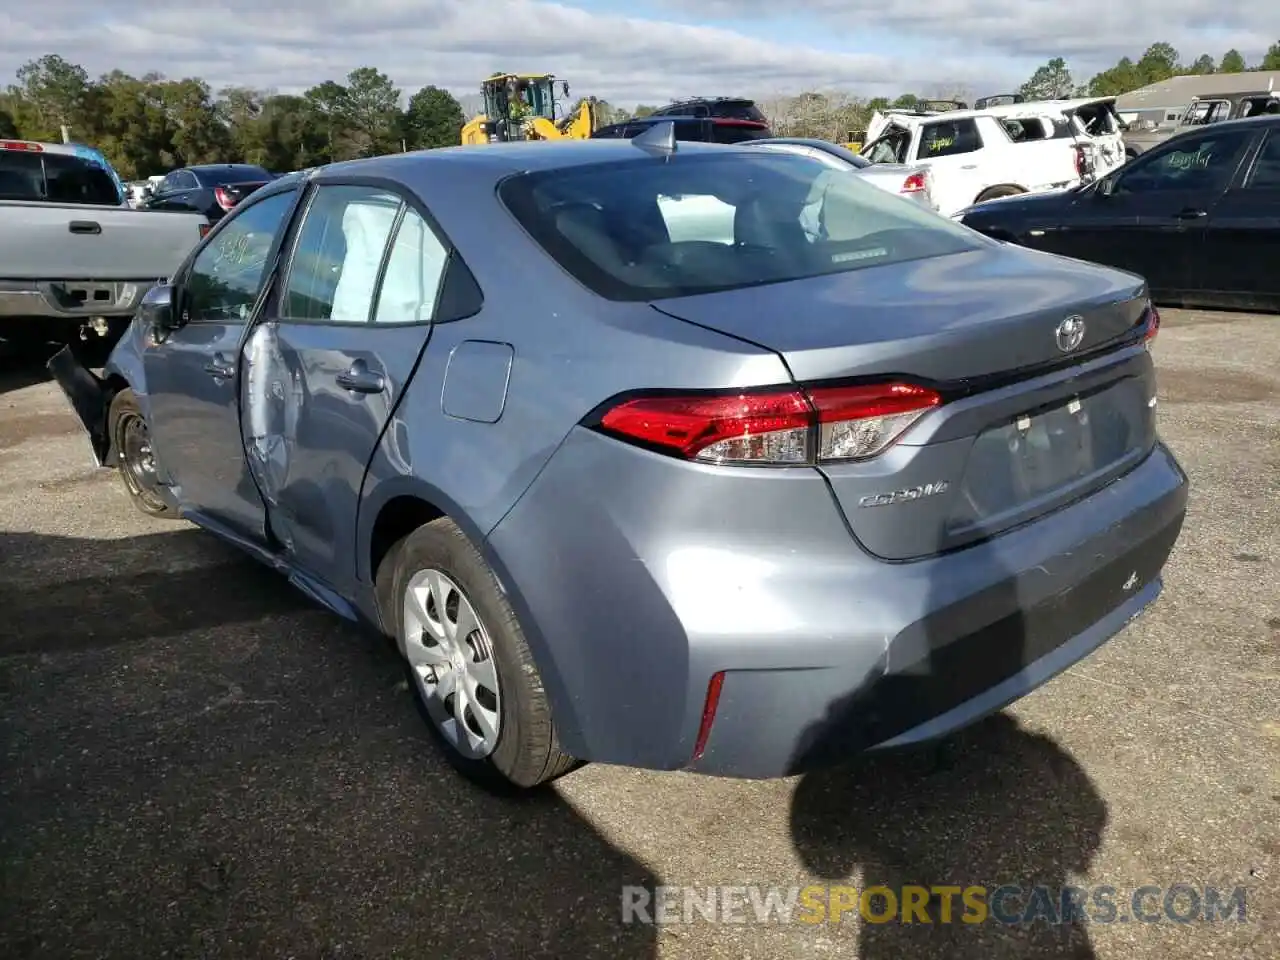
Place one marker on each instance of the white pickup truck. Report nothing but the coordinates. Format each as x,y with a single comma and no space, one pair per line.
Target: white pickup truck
75,259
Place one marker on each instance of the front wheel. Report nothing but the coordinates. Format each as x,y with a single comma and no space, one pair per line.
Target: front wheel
131,440
474,676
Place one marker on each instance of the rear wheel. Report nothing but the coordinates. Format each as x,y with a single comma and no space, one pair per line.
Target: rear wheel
474,676
994,193
131,441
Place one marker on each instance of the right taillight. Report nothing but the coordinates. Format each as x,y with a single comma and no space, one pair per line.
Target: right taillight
226,200
1152,325
787,426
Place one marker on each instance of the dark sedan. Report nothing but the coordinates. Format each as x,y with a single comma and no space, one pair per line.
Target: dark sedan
1198,217
213,189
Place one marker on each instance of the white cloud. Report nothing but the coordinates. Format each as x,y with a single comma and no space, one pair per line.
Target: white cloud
453,43
1089,34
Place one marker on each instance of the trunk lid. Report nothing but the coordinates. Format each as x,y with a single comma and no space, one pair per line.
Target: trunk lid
1023,429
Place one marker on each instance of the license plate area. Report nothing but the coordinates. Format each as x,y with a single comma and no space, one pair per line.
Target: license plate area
1068,448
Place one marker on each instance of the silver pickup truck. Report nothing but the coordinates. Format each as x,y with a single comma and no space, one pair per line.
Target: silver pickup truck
75,259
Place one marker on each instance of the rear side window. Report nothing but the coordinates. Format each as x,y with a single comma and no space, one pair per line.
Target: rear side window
1266,169
55,177
737,132
650,228
948,138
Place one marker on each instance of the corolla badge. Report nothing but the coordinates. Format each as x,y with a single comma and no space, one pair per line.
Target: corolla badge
1070,333
904,496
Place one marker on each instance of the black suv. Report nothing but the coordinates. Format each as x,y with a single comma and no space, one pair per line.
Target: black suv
697,129
723,108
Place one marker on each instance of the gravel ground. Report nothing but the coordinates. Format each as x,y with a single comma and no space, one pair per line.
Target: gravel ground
199,763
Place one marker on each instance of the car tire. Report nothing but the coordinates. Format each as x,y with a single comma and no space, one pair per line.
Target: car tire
994,193
502,737
130,436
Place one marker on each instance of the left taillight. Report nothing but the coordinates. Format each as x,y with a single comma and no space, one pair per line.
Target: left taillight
916,183
783,427
204,229
1152,326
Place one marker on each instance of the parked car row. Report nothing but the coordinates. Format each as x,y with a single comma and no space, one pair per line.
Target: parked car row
656,452
1198,216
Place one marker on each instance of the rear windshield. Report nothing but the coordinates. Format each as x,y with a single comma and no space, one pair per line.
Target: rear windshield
218,176
56,178
651,228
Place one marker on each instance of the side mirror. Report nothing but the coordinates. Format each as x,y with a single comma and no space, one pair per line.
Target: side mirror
1106,186
158,308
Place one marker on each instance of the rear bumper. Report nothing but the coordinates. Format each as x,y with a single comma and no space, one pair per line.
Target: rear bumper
88,396
637,579
70,299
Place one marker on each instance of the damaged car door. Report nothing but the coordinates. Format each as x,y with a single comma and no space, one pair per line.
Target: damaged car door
339,339
191,377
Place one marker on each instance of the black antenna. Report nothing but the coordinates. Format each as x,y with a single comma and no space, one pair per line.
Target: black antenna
659,138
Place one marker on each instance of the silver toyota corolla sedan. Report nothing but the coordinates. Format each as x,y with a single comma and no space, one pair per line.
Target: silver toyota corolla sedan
671,455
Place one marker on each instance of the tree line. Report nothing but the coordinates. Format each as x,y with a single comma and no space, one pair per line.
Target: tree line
1160,62
151,124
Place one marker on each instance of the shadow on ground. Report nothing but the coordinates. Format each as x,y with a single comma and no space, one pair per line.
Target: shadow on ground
994,806
991,806
200,764
20,369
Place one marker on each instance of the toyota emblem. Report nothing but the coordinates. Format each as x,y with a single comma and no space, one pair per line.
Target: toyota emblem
1070,333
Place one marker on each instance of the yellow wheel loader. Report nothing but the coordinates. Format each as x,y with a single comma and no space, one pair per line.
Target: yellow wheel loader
524,107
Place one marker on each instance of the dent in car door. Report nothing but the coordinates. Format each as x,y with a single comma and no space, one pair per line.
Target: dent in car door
350,321
191,376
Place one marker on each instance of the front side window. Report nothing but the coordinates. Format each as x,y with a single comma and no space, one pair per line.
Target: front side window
226,276
1202,162
651,228
334,268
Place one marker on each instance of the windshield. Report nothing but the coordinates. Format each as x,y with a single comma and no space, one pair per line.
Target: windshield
653,227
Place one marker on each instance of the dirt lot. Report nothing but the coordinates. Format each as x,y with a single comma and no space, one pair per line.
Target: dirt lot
198,763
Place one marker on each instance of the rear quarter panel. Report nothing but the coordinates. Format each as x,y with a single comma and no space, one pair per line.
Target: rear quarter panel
570,351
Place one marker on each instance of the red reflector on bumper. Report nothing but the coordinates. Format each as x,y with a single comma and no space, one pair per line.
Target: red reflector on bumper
708,714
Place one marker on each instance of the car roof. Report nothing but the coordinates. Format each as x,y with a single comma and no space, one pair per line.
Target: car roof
826,146
211,167
498,160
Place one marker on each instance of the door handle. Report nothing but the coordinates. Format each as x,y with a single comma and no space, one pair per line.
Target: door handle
360,379
84,226
220,368
969,166
1190,214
